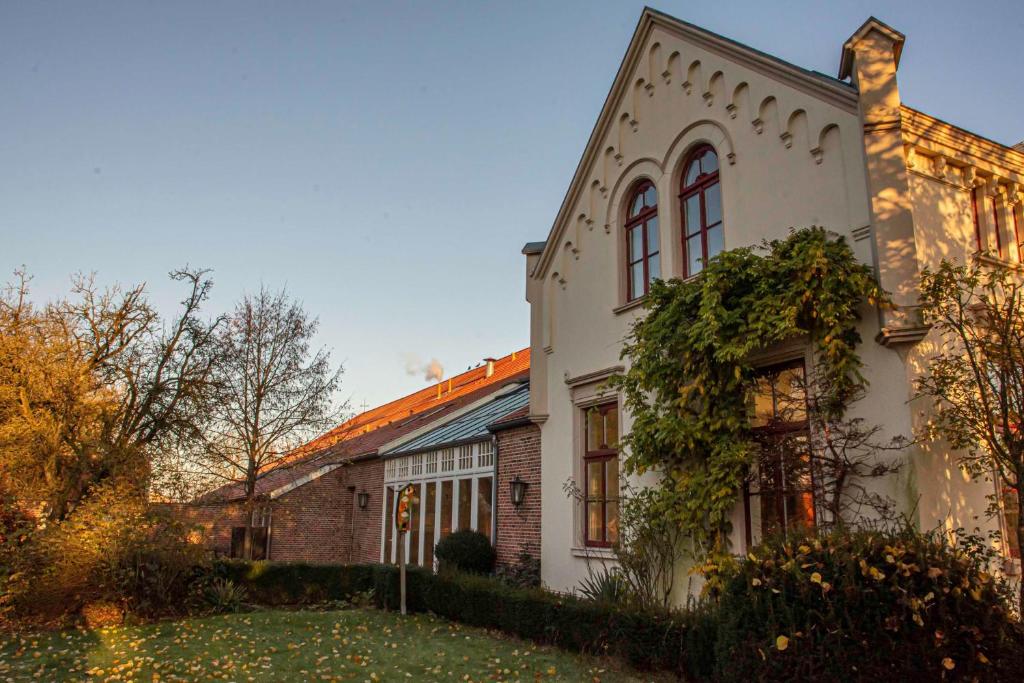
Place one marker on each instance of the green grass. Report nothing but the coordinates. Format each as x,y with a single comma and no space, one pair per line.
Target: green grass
349,645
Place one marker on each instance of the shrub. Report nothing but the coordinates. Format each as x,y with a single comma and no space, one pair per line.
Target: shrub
468,551
113,548
224,595
523,574
605,584
295,583
861,605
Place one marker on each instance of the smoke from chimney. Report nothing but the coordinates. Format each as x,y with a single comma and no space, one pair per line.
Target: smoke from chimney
432,371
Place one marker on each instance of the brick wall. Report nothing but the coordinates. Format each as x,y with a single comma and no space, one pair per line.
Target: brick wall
319,522
518,527
215,522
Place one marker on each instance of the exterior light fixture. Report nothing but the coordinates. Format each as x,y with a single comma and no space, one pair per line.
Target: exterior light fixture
364,499
518,490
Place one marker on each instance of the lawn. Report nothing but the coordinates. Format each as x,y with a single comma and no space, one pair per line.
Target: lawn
348,645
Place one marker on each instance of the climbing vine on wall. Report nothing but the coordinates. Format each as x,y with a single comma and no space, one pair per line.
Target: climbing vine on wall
690,373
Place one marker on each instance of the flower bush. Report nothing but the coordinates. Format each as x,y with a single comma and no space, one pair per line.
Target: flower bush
858,605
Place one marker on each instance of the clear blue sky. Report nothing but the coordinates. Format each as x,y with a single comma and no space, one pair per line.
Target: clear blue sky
386,161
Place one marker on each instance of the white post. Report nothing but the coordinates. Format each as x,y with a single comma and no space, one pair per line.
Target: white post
401,568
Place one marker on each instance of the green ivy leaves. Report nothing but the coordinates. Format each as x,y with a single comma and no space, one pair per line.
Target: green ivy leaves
690,377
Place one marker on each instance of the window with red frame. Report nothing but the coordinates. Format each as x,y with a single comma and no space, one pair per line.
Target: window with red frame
703,232
1016,234
642,244
601,475
784,479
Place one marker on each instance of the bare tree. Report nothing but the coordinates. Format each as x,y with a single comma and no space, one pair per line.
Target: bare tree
94,386
976,377
274,393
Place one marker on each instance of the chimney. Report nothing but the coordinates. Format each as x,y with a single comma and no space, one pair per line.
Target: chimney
490,366
439,389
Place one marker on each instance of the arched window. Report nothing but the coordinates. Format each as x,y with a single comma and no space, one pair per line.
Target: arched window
642,245
702,209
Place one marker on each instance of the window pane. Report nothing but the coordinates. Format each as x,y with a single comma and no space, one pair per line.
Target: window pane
636,243
414,527
595,522
654,267
611,427
446,508
595,473
611,522
595,429
652,235
691,215
651,197
693,255
790,399
709,161
713,204
429,513
636,279
611,470
715,241
483,506
763,408
638,205
692,171
465,504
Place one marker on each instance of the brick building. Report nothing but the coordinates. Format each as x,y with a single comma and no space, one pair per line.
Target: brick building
326,505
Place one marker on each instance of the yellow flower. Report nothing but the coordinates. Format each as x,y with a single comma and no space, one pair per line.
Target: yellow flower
755,582
948,663
782,642
816,578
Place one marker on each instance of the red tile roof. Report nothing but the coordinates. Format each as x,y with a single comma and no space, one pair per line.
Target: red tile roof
363,434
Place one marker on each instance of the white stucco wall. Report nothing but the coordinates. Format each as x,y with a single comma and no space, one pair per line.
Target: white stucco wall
791,152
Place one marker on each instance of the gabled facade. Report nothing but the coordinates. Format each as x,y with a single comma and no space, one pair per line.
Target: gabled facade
704,144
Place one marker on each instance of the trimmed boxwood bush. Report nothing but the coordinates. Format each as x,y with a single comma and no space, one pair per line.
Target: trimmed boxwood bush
467,551
864,605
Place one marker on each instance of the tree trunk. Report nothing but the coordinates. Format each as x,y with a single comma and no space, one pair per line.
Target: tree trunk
1020,556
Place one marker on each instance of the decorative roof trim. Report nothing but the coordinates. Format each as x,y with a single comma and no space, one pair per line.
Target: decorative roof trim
836,92
919,127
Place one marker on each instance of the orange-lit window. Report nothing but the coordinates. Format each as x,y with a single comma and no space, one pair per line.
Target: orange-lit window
601,475
784,483
643,260
703,231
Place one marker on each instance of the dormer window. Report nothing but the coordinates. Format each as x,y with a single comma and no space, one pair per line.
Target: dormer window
701,198
642,244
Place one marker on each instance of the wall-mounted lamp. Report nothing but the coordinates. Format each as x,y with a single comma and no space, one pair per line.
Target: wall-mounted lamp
363,499
518,490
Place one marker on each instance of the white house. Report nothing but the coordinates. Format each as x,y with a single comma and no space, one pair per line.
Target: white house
705,144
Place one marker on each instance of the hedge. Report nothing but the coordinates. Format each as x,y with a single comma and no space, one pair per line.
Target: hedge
681,642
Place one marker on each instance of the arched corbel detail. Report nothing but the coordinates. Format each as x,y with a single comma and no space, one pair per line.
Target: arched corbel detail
693,77
767,115
740,100
715,89
653,68
673,69
818,152
796,130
